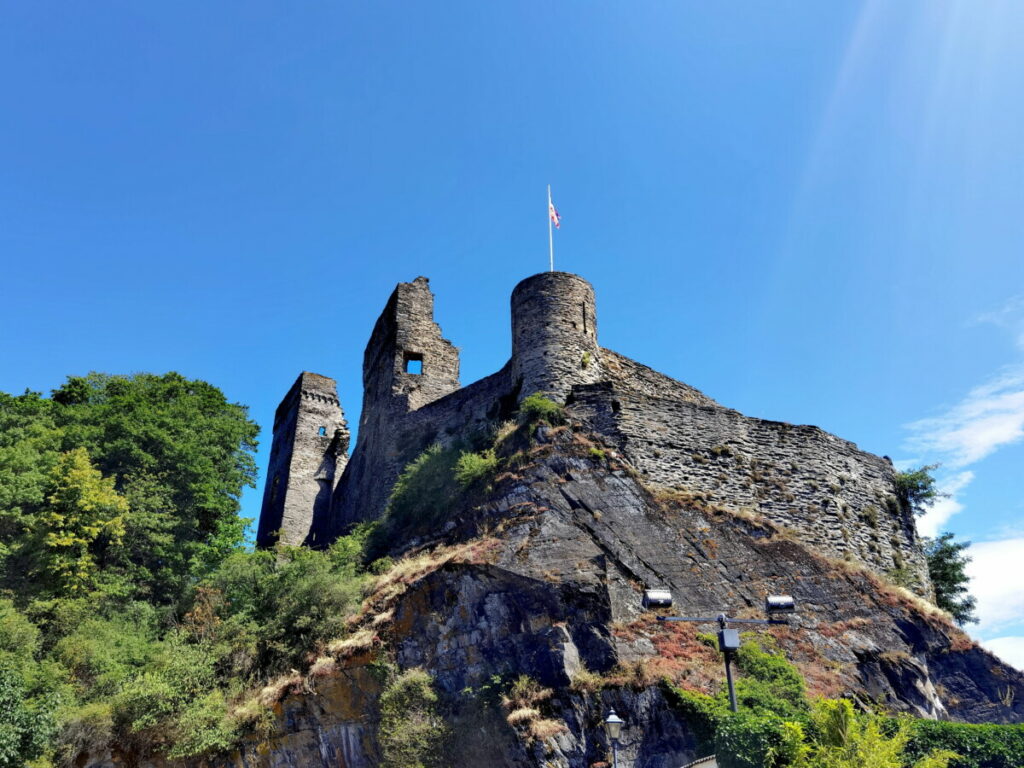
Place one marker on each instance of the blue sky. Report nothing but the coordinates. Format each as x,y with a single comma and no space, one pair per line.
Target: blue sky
811,211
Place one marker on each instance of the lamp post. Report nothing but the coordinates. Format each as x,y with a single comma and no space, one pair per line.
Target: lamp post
613,727
775,606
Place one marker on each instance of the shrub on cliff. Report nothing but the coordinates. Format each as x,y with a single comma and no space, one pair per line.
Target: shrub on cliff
778,727
769,684
412,730
428,488
537,407
916,489
424,491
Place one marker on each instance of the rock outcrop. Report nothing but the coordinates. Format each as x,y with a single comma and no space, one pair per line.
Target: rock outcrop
542,574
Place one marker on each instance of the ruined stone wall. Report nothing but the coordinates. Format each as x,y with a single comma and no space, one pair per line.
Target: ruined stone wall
307,457
406,358
635,377
375,466
828,492
407,364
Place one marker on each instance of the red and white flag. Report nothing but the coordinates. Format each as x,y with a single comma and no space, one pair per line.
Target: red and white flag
553,213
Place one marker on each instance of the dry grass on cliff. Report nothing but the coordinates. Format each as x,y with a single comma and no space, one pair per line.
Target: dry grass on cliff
407,571
360,641
278,688
524,702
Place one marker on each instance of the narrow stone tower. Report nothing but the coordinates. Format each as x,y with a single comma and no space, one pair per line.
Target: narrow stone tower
554,334
307,457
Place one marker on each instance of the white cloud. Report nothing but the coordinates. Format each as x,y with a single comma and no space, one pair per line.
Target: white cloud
1009,316
938,514
997,582
990,417
1010,649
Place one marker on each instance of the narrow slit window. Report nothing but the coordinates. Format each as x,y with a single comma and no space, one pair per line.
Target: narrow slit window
584,306
414,363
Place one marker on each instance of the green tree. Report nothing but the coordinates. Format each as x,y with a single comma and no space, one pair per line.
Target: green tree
81,523
844,739
181,454
29,448
176,450
947,565
916,488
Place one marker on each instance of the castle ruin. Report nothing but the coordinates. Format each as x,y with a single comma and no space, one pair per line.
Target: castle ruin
831,495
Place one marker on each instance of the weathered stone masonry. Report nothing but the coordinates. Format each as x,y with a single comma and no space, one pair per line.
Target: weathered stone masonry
829,493
307,458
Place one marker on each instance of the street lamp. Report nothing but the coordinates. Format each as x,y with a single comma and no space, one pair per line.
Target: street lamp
775,606
613,727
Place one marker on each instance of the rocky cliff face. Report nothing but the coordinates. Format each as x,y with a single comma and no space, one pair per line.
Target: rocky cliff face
542,574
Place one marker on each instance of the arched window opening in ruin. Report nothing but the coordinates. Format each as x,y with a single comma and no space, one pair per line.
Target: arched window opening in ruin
322,431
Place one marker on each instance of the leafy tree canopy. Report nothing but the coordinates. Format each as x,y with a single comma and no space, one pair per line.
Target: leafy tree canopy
128,484
916,488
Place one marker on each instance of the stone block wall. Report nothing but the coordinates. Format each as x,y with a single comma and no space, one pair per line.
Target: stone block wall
824,489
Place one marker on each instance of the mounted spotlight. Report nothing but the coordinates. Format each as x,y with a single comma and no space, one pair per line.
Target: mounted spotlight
775,605
657,598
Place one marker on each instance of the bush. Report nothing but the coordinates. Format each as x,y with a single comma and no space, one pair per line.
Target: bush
265,612
702,713
204,727
770,684
412,732
977,746
537,408
26,723
471,468
423,492
759,741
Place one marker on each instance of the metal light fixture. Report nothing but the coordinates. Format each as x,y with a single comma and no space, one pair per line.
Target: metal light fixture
613,727
779,604
657,598
775,606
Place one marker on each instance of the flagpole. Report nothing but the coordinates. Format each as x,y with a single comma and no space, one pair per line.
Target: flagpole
551,236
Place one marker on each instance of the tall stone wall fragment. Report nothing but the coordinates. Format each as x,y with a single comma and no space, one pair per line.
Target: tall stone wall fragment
307,458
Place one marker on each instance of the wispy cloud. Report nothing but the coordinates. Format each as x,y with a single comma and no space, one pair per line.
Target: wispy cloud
997,582
990,417
934,520
1010,649
1010,316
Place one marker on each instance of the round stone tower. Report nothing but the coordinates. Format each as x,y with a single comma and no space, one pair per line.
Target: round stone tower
554,334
